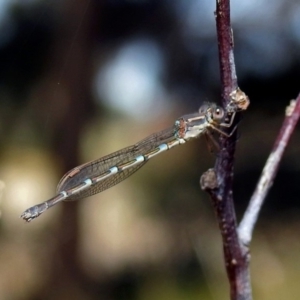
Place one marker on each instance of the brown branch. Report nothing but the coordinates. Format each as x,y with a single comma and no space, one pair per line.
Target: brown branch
235,254
225,45
269,172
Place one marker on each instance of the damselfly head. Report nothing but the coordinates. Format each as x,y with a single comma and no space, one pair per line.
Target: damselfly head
212,112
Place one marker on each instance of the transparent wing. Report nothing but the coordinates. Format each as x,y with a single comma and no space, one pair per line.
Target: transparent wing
97,167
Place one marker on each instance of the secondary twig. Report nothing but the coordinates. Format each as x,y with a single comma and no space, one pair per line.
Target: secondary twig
269,172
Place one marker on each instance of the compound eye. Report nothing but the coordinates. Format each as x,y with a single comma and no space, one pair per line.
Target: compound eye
218,113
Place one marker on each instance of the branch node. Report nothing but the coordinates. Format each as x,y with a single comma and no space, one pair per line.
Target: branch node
290,108
239,101
208,180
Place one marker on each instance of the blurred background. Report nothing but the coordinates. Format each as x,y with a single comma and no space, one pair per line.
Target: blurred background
81,79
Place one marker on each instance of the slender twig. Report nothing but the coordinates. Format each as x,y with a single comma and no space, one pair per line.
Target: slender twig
235,254
269,172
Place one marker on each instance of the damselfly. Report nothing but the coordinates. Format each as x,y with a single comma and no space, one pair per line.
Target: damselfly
98,175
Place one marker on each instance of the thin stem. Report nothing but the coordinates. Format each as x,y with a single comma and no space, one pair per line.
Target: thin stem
269,172
235,254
